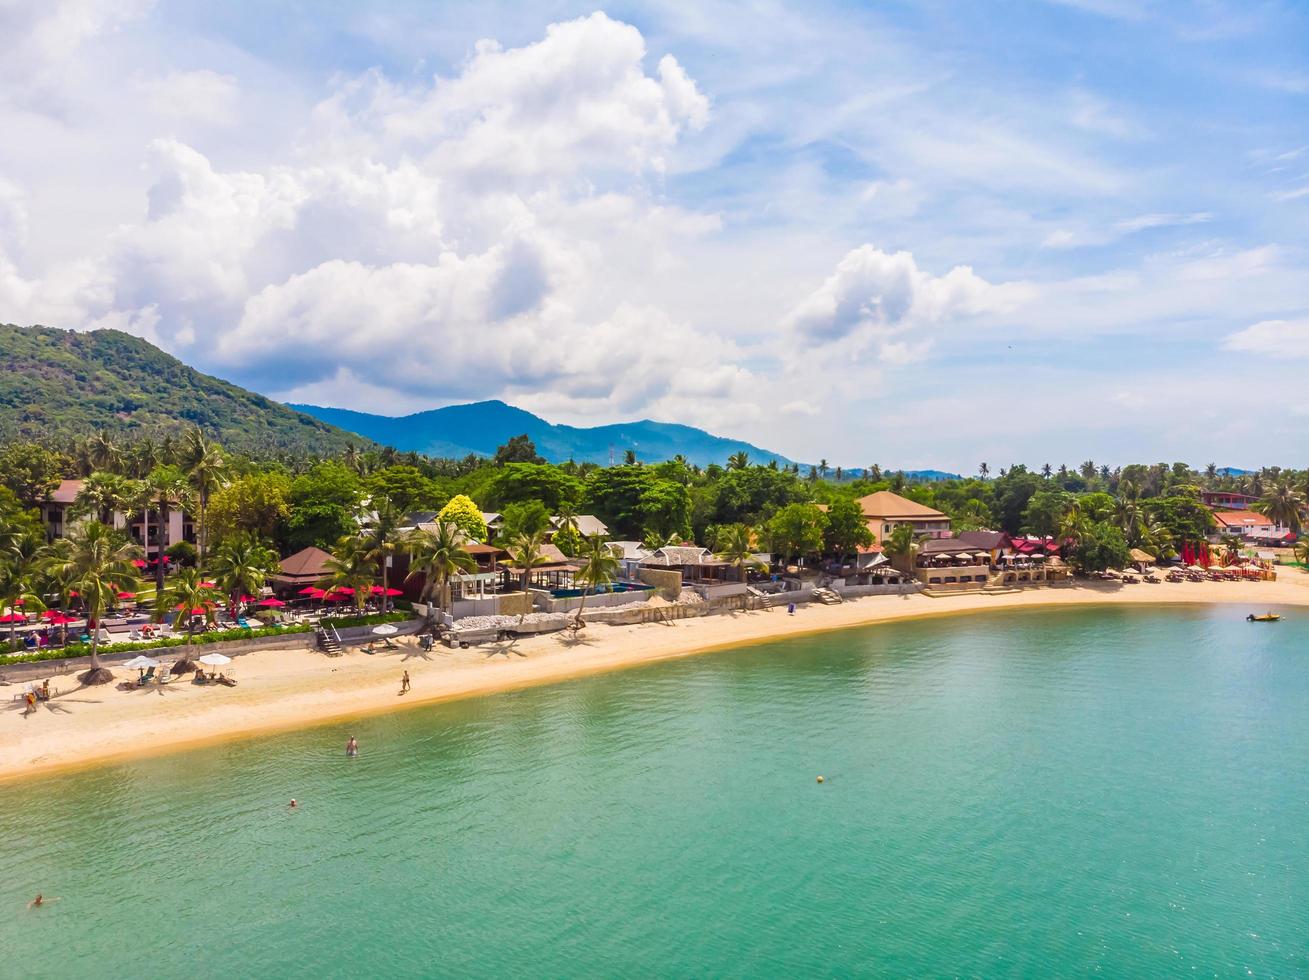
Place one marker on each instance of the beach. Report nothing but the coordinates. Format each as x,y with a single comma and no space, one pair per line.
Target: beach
293,688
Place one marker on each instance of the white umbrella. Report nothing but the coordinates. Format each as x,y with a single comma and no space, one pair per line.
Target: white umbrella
140,663
215,659
386,629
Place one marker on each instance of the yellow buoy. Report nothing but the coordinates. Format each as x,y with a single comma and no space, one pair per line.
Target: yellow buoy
820,779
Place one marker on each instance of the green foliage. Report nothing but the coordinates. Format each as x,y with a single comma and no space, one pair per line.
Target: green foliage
519,449
406,487
754,494
1184,518
465,515
1100,546
323,504
1045,511
29,469
614,495
526,517
520,482
64,383
796,531
665,509
183,552
847,530
256,502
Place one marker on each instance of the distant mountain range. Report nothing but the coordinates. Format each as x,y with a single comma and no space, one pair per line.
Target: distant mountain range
481,427
67,383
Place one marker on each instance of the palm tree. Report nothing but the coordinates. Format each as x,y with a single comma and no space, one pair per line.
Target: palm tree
822,467
599,568
629,457
902,543
205,468
736,548
242,564
984,471
20,553
382,539
165,488
838,474
1046,470
350,567
1127,515
738,461
437,553
525,554
1211,473
190,597
1302,553
102,494
1282,503
97,562
103,453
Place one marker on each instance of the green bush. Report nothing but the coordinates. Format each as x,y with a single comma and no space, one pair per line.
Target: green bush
341,622
200,639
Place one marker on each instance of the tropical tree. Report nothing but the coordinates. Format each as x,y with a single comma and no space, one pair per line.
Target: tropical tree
20,553
738,461
465,515
97,562
165,489
1282,503
103,453
437,553
382,539
1302,553
102,494
241,565
902,544
206,470
525,555
350,567
735,546
599,568
189,596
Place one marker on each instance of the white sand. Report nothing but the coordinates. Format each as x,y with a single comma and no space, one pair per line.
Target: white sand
282,689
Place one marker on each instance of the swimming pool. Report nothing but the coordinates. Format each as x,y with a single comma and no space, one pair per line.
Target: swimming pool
612,587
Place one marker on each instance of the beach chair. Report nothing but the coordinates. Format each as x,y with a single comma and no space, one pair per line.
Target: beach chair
165,674
146,678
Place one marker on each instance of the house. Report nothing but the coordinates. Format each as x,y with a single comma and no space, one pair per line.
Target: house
1249,524
950,561
493,521
696,568
885,511
54,509
588,525
1228,499
995,543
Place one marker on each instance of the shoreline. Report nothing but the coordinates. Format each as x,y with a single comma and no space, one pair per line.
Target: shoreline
284,690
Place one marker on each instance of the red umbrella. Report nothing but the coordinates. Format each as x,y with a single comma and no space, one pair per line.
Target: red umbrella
245,598
74,595
394,592
272,602
310,590
208,585
52,614
127,595
343,589
334,597
13,618
138,563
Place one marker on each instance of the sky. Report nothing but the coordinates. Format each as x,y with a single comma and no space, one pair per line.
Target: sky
916,234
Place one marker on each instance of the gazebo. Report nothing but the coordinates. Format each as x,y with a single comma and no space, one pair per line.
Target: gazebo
1141,559
304,568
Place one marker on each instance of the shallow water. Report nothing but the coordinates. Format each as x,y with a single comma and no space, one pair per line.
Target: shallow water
1120,791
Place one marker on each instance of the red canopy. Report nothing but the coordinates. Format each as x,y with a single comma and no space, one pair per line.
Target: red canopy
335,597
310,590
342,589
393,592
13,618
208,585
138,563
272,602
127,595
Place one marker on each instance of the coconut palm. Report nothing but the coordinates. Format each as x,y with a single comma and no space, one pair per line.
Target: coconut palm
437,553
242,564
1282,503
382,539
206,470
163,490
190,597
350,567
525,555
599,568
103,453
1302,553
902,543
97,562
20,555
738,461
734,546
103,493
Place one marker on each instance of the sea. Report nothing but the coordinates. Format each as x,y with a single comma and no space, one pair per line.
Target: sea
1104,791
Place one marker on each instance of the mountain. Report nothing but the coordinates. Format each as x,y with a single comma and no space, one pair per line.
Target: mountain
62,383
481,427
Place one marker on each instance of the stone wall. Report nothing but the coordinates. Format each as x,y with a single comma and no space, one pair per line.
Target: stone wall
667,583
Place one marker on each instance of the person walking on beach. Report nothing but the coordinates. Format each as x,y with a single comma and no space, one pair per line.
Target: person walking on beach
404,683
352,747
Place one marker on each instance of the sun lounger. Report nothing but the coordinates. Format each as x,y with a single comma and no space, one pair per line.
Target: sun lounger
146,678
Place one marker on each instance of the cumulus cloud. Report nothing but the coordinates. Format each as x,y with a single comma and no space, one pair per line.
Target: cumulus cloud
1272,338
872,291
200,94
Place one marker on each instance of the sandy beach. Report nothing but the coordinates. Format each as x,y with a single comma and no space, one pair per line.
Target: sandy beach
286,689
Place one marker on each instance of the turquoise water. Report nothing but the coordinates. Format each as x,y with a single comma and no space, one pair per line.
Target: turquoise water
1050,793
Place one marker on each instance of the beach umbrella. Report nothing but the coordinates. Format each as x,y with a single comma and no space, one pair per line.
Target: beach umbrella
141,663
13,618
310,590
343,590
393,592
386,629
272,603
127,595
215,660
138,563
208,585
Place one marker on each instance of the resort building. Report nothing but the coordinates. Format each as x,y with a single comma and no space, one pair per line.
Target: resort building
588,525
1228,499
1251,525
885,511
143,527
976,559
305,568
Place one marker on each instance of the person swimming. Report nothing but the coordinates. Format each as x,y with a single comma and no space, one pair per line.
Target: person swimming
352,747
40,901
294,804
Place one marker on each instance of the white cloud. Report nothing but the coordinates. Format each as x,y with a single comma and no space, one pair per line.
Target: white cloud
1272,338
876,291
194,95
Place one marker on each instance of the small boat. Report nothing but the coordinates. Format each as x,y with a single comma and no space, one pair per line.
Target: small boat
1265,618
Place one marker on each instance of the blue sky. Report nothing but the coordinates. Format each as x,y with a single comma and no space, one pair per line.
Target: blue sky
916,234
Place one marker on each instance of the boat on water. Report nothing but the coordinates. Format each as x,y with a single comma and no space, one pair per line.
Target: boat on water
1265,618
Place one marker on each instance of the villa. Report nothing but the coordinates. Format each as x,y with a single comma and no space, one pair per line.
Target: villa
144,527
885,511
1227,499
1251,525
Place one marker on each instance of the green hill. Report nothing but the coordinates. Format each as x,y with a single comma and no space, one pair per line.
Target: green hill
62,383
